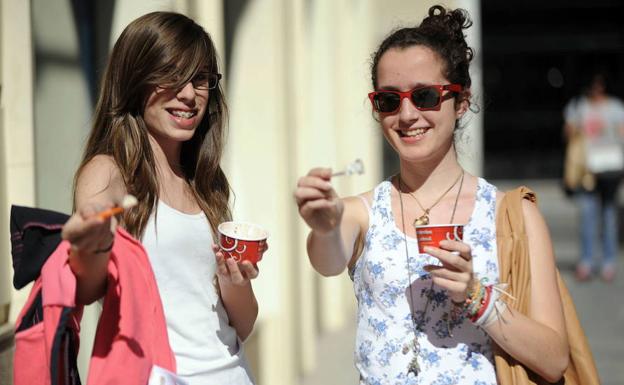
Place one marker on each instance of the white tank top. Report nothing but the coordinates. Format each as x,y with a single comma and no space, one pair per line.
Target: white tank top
206,347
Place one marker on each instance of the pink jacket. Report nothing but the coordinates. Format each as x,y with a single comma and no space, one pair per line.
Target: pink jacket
131,336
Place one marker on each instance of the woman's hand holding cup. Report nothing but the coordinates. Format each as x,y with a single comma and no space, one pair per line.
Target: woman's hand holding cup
241,246
229,270
319,205
455,274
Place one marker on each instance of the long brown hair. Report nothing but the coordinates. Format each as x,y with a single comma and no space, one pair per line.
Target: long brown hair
159,48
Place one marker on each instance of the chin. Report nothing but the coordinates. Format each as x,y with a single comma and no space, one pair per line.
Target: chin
412,152
186,136
178,135
416,153
413,158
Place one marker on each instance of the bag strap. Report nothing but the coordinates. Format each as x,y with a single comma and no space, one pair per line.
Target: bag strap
510,213
515,271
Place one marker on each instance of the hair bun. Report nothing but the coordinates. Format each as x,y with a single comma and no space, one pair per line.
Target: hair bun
442,31
448,22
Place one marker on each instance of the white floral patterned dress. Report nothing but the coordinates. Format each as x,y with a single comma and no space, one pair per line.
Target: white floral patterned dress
453,352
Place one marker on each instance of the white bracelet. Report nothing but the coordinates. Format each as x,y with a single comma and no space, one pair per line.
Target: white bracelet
499,308
496,306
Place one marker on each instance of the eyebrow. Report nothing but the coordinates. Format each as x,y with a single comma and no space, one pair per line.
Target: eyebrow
393,88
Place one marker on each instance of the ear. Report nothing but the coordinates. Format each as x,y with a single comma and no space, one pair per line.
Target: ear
463,103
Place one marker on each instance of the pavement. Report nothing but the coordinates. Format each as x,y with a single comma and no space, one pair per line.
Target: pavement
599,305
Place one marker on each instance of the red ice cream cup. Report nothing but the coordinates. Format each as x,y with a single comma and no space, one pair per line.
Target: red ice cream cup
431,235
242,241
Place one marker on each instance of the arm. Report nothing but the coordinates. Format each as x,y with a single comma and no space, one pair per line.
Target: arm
335,223
540,340
237,294
98,186
241,306
330,253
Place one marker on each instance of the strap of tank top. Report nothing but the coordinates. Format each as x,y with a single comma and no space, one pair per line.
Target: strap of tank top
366,204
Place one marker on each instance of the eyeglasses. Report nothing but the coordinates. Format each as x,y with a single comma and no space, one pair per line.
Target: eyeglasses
201,81
424,98
206,80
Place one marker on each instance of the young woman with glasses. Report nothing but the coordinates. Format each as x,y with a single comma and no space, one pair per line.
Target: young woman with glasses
430,318
158,134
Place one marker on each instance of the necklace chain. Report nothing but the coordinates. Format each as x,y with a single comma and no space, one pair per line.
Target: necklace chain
461,183
424,219
413,366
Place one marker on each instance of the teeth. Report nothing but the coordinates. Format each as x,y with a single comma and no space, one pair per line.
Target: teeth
415,132
183,114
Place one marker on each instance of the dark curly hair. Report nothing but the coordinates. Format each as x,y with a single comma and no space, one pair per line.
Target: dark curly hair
442,32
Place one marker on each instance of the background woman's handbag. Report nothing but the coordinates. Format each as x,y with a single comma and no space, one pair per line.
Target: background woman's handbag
575,172
604,157
514,266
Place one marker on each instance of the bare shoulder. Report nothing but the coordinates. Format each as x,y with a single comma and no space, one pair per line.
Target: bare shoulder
535,224
356,208
359,204
368,196
99,180
531,211
529,207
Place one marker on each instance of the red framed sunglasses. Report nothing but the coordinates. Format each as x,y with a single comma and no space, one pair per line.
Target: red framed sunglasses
424,98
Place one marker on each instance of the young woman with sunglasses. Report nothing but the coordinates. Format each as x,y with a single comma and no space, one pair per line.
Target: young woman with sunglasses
430,318
158,134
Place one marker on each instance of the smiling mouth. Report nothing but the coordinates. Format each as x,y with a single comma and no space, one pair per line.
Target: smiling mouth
182,113
416,132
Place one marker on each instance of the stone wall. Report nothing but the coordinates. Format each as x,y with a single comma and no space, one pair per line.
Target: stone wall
6,354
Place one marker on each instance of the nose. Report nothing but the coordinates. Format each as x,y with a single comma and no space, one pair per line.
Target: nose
186,93
407,111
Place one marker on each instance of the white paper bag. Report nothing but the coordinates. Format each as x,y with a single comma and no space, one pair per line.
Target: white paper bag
160,376
605,157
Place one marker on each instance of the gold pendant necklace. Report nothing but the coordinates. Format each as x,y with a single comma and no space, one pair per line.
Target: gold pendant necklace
418,326
423,220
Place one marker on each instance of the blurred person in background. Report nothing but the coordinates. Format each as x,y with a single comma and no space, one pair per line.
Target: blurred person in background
158,134
596,120
421,315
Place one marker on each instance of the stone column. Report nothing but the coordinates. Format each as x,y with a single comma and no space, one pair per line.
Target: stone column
471,150
17,180
259,161
16,155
